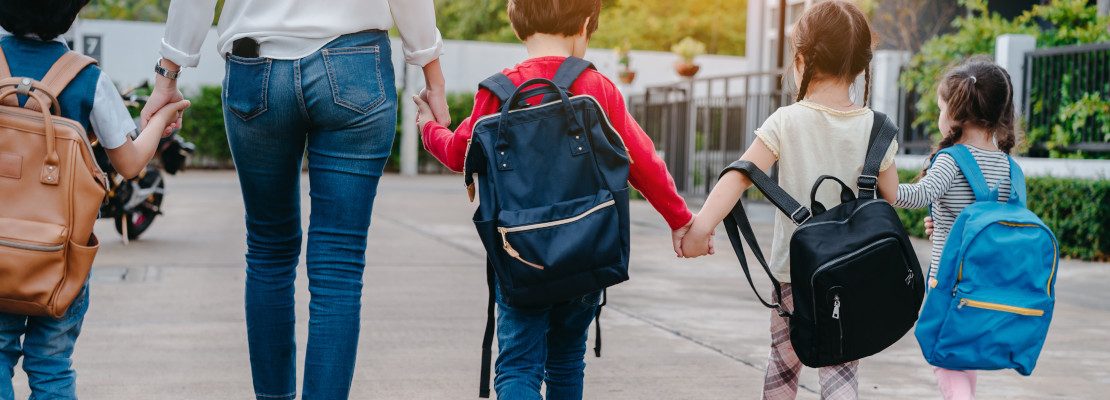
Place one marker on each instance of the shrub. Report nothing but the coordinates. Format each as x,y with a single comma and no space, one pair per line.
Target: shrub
204,126
1077,211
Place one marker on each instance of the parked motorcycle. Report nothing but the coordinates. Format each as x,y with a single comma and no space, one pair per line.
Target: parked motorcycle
135,203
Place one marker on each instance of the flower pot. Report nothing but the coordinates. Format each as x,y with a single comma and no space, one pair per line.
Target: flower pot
686,69
627,76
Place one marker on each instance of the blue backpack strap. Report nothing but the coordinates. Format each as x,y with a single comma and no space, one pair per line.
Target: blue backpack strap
971,171
568,72
1017,184
500,85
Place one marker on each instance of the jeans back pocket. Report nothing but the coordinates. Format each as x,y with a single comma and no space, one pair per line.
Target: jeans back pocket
246,86
355,76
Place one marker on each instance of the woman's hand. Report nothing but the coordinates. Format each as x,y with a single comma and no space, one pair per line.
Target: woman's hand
435,93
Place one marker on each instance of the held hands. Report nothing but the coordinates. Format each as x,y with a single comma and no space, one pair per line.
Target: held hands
165,92
698,241
424,113
166,117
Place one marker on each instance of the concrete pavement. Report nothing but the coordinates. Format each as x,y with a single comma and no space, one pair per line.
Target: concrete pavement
166,318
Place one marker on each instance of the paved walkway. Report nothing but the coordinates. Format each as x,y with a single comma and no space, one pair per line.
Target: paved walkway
166,320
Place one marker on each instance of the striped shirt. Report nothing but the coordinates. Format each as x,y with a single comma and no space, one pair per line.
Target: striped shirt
945,188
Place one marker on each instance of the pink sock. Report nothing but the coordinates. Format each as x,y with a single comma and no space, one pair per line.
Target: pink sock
956,385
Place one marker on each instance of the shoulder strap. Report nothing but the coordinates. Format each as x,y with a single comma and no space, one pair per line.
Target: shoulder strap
62,72
1017,183
771,190
568,72
5,72
737,225
883,132
500,85
970,168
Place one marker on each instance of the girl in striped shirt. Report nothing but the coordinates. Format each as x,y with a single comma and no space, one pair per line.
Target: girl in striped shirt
976,111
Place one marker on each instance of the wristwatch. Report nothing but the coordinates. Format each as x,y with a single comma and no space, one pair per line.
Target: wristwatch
158,69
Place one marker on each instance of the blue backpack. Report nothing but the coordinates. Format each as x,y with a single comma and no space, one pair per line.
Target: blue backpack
992,299
553,212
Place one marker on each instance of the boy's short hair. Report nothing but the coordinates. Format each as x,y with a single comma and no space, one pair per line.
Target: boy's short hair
46,19
556,17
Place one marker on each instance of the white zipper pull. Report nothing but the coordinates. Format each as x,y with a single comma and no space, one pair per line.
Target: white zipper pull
836,307
963,302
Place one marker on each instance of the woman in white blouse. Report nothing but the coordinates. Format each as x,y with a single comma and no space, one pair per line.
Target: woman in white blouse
316,77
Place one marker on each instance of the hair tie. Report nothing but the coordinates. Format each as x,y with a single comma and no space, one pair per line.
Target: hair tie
973,80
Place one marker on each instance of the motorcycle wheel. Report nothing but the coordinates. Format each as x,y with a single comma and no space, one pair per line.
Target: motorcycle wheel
139,219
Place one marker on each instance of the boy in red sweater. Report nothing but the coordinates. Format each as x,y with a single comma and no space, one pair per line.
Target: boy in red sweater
548,345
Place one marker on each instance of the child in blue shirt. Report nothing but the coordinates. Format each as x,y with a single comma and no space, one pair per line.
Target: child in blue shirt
31,44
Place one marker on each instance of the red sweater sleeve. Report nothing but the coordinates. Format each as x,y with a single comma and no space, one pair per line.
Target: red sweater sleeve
648,174
450,147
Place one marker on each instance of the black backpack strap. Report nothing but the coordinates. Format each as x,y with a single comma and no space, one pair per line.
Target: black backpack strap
883,132
597,322
568,72
771,190
487,339
500,85
737,225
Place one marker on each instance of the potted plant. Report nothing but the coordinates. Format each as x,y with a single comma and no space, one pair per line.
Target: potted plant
624,59
687,49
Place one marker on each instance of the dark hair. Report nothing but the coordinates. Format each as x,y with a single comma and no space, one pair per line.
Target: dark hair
46,19
835,41
978,92
556,17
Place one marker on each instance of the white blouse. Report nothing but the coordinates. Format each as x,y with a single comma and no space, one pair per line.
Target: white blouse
292,29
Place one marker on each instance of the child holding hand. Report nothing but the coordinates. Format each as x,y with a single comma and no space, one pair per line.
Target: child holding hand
824,133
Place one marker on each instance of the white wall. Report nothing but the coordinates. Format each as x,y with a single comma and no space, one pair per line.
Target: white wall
130,48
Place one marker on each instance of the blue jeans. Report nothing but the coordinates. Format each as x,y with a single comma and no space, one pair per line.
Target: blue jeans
46,350
543,345
338,104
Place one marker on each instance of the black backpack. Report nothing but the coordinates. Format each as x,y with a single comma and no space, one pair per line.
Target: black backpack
553,215
855,278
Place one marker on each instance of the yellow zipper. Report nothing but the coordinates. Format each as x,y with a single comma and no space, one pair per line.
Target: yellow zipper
1055,258
505,231
1001,307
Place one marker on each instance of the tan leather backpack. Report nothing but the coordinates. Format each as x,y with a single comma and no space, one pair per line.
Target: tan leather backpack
51,190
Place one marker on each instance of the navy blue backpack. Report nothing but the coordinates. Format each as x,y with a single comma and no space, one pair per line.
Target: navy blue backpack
553,211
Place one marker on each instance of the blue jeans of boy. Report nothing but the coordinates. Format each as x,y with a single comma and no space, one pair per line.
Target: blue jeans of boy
46,348
338,104
543,345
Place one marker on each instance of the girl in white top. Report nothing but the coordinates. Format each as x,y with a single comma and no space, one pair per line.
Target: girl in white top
824,133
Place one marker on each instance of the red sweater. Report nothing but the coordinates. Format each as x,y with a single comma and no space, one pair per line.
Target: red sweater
648,173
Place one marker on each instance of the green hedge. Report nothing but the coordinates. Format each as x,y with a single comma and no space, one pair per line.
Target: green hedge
204,126
1077,211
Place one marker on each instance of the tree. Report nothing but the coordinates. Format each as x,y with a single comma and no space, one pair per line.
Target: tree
645,24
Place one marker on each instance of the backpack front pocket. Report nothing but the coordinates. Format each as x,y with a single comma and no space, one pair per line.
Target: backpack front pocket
561,239
32,259
982,327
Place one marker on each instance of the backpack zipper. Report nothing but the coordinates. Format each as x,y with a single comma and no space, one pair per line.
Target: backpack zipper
31,247
505,231
999,307
839,323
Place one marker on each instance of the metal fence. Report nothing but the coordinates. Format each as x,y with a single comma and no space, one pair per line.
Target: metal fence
1056,77
700,125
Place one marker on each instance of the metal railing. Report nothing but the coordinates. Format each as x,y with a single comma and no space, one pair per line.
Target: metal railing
701,125
1058,76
